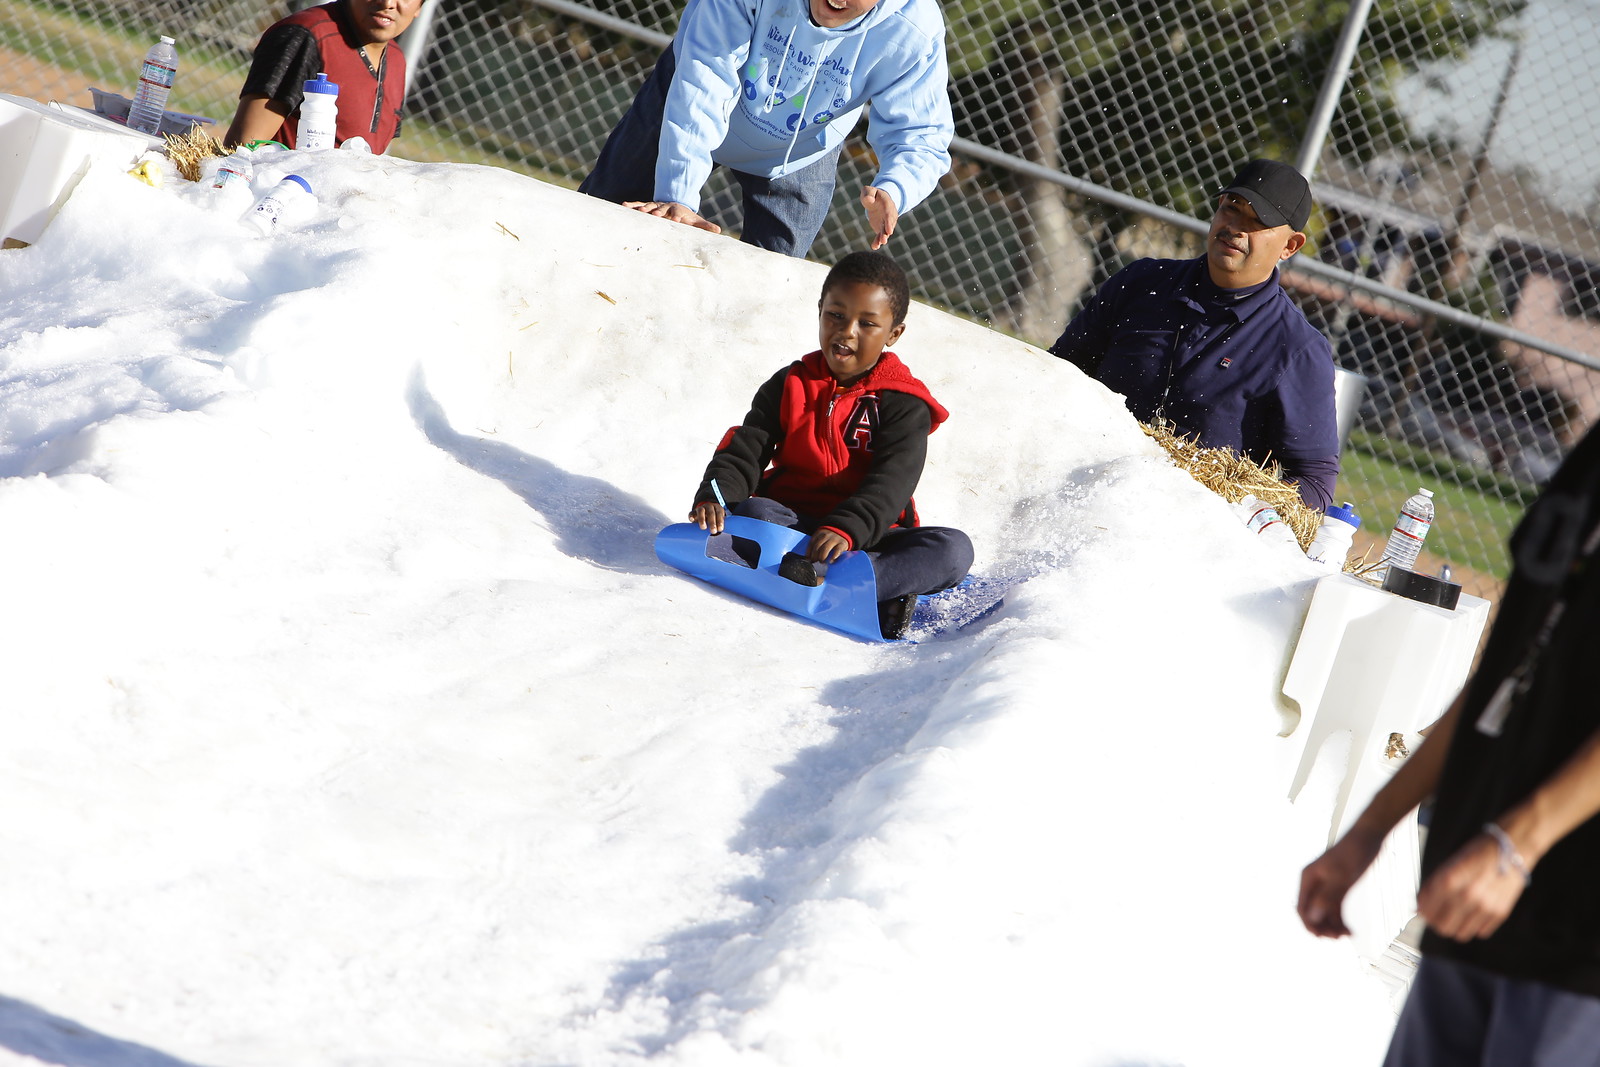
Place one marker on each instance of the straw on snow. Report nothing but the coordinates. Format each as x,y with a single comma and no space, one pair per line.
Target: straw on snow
188,150
1233,477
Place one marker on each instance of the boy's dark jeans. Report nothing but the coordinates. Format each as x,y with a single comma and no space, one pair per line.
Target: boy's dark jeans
781,214
914,559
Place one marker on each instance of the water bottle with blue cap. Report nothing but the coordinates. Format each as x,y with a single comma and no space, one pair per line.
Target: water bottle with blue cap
1331,545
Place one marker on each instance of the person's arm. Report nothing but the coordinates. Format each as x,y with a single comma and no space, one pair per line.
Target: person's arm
1472,892
899,450
746,449
909,126
1298,424
1327,879
258,118
285,58
1315,479
710,48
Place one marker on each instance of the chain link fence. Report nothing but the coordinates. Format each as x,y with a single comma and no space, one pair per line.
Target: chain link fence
1453,258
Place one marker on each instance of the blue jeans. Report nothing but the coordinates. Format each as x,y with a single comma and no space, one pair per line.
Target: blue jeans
1457,1015
782,214
907,559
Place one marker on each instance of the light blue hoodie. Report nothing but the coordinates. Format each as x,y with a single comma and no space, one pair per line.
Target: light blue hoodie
762,89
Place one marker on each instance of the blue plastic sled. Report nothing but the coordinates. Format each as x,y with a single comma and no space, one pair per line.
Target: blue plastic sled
846,600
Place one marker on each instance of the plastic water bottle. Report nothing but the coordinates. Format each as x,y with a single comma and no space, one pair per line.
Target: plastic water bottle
1331,545
290,196
319,114
1262,518
227,180
233,170
1405,540
160,70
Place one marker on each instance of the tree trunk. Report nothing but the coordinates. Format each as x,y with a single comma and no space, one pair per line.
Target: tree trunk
1054,263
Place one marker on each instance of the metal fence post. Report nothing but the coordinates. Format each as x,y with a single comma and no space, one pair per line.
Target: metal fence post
1355,21
417,39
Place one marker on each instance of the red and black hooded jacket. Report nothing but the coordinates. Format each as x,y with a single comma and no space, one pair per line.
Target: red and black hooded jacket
847,459
369,100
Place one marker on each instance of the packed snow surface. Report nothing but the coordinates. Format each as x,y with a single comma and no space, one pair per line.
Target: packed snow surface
351,720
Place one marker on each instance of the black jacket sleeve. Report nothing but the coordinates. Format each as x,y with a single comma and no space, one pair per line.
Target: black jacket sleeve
748,448
900,448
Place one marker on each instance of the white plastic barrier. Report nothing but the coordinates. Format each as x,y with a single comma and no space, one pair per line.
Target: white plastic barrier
1373,663
44,150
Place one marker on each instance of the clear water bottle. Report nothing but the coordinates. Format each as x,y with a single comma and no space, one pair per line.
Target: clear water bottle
291,197
1262,518
232,170
160,70
319,114
1331,545
1405,540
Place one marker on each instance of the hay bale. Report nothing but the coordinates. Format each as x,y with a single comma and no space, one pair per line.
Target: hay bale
1233,477
187,151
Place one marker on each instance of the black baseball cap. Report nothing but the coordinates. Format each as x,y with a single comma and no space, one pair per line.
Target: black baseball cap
1279,193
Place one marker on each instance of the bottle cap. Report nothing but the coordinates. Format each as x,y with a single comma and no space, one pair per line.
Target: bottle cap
168,40
321,84
1425,492
1344,513
298,180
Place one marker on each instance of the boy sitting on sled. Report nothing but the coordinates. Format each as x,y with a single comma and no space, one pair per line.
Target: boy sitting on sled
834,446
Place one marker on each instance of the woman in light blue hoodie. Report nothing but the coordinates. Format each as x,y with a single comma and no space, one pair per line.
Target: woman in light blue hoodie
770,89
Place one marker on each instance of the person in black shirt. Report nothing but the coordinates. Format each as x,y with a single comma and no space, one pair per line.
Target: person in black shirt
1511,871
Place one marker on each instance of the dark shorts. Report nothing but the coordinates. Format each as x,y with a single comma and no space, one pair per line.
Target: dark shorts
1457,1015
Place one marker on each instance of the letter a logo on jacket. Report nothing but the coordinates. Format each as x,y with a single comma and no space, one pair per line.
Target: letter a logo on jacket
862,423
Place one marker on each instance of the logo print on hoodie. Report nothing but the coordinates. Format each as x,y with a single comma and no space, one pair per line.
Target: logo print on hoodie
862,423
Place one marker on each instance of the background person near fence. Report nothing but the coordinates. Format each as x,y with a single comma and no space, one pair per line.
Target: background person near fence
770,89
352,41
1214,347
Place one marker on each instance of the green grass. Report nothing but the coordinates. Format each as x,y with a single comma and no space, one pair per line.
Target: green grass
69,42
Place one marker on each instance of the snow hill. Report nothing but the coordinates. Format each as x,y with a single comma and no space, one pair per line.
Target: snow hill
350,719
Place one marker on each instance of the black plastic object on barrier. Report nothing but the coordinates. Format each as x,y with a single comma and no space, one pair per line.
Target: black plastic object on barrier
1425,588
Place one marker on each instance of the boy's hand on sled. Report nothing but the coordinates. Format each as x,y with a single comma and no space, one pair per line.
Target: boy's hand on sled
708,515
827,546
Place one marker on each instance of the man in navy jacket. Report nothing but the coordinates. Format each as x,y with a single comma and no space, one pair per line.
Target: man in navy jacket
1214,346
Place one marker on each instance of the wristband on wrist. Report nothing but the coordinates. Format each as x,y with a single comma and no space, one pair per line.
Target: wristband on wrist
1510,858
